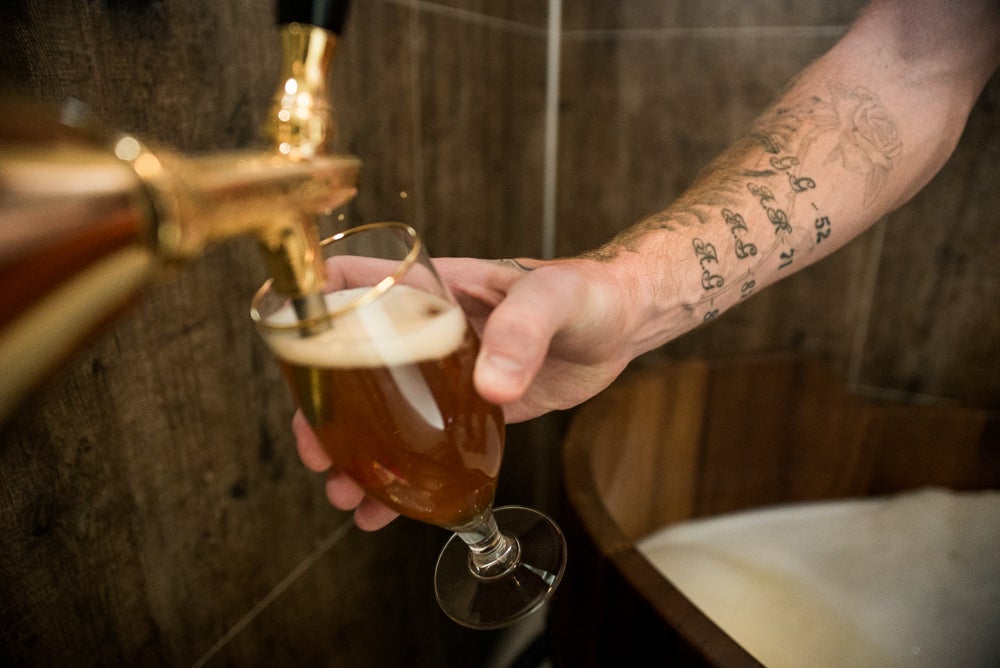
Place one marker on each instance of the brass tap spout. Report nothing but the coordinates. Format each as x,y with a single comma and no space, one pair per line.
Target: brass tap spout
300,126
199,201
86,219
86,223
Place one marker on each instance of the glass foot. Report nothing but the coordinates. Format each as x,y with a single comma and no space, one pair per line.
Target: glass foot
497,600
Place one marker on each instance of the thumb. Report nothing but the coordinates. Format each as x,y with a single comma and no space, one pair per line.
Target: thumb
516,337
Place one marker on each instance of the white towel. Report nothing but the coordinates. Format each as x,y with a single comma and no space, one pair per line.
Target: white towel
910,580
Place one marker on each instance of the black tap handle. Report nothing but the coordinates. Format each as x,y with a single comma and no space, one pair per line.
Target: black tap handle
329,14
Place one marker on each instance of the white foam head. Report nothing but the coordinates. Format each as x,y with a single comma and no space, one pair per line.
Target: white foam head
403,326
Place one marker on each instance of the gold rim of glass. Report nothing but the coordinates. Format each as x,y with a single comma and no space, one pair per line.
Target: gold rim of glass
369,296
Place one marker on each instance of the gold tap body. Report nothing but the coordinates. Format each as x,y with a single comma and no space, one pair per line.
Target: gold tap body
87,220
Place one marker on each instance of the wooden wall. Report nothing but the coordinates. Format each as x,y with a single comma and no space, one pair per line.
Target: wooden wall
152,509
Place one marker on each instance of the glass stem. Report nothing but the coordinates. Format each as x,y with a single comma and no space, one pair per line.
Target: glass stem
492,554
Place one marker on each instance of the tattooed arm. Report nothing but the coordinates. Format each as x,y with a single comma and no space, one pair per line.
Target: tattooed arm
858,133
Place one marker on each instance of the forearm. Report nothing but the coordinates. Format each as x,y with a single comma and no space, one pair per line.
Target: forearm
855,136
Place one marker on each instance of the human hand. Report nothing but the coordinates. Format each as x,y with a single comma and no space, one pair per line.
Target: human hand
553,334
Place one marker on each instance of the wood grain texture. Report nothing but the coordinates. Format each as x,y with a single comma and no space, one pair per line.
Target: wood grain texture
482,121
152,496
450,126
755,432
375,95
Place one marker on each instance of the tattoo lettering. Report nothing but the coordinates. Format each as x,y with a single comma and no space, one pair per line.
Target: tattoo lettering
763,193
735,222
738,227
710,280
777,216
798,184
780,220
705,252
706,258
745,250
801,185
866,138
846,132
784,164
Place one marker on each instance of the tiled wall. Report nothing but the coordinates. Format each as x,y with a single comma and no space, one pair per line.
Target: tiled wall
653,90
153,511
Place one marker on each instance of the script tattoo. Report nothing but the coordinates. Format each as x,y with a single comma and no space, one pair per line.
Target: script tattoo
738,227
707,257
801,184
780,166
784,164
777,216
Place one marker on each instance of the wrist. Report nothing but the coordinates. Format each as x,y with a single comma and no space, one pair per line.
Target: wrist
646,274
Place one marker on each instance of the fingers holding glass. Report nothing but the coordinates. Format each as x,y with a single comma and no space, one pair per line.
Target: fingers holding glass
384,382
311,451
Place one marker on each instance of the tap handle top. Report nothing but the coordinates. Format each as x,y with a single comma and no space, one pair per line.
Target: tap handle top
328,14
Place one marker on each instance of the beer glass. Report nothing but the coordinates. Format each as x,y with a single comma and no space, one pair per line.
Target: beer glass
385,379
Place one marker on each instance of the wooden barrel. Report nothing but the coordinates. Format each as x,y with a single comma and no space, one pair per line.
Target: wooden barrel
677,440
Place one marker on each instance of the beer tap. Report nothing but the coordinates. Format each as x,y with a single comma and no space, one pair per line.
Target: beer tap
88,219
301,126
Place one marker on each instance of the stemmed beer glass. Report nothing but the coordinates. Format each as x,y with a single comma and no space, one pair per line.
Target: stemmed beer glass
385,379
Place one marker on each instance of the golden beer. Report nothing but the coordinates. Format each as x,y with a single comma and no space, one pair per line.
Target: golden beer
380,360
388,390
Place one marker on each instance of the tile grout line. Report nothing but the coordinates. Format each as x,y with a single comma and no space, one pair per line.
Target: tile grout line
470,16
278,589
550,157
708,32
416,119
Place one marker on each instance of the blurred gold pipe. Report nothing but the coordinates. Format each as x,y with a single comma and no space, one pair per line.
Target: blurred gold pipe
87,220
